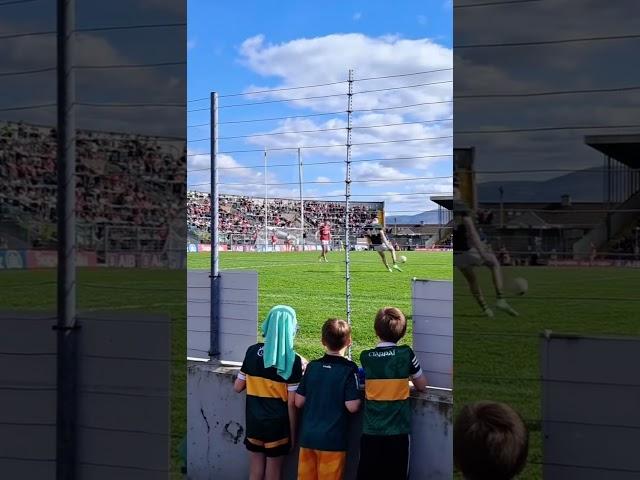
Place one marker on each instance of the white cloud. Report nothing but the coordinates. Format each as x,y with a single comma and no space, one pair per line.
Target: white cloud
236,178
577,66
231,171
367,142
121,85
310,61
378,171
320,60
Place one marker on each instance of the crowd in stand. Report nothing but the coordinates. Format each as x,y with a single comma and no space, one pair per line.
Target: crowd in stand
446,242
122,183
121,180
629,244
246,215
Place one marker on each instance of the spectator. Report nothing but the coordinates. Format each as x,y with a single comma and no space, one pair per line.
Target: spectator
244,216
490,442
270,373
327,393
384,445
103,194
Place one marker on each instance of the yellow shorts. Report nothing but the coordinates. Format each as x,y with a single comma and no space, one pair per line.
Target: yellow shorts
321,464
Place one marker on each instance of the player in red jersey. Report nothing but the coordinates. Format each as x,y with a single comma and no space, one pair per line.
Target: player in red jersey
324,232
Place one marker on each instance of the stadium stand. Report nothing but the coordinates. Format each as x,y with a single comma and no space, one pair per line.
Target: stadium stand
551,229
119,202
242,218
113,207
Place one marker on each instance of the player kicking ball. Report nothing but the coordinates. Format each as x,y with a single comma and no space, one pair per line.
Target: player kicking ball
378,240
470,252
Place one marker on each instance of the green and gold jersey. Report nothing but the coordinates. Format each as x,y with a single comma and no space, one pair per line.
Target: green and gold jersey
267,415
327,384
387,370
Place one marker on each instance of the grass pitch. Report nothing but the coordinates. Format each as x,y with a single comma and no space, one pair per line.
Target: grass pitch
497,359
317,290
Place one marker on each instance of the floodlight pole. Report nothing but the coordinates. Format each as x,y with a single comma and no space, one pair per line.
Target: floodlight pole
266,204
215,223
347,197
66,326
301,197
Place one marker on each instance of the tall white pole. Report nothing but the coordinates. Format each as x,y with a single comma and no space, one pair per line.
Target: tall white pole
301,197
266,204
347,196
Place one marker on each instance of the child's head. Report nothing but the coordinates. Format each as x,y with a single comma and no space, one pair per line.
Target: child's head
390,324
279,331
336,334
490,441
281,318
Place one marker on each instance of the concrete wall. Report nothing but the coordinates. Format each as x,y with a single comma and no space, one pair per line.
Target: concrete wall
216,430
433,330
238,313
590,399
123,396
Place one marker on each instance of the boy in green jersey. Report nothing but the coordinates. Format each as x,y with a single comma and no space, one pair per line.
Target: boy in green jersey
328,392
384,446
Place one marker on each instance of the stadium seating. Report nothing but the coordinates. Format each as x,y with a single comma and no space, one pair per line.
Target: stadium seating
243,218
115,208
104,193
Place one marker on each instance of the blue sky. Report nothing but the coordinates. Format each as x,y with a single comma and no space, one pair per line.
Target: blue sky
233,49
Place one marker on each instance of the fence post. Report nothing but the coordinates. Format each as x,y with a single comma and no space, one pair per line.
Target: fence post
301,197
215,272
347,196
266,204
66,328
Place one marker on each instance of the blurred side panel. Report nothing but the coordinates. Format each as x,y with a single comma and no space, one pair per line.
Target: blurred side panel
546,142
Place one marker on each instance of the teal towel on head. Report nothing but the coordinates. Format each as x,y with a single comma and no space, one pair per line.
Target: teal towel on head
279,330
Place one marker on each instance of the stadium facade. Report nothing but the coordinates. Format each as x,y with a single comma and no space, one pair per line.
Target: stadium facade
565,232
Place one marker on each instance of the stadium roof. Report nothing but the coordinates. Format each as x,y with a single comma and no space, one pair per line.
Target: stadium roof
417,229
549,214
446,202
623,148
527,220
408,231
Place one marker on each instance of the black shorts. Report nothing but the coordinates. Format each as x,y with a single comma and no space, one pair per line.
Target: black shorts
275,448
384,457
